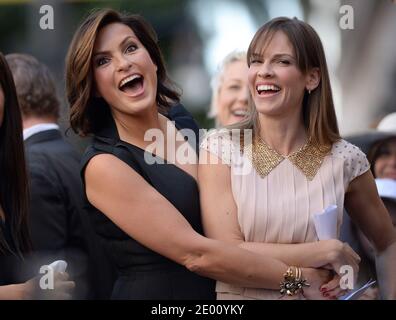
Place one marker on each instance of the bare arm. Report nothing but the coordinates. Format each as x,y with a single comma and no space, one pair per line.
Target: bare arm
219,213
369,213
13,292
144,214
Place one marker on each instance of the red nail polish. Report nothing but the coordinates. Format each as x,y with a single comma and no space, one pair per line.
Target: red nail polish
323,289
325,295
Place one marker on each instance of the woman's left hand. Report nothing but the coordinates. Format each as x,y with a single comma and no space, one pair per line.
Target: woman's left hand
316,278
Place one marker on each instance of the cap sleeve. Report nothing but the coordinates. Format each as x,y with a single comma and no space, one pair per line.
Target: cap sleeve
219,144
355,163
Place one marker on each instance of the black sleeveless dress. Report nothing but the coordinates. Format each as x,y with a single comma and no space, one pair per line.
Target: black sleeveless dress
141,272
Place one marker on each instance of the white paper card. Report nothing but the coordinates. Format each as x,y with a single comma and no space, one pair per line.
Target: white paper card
326,223
59,265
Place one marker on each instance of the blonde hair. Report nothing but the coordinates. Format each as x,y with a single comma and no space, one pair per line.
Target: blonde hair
217,79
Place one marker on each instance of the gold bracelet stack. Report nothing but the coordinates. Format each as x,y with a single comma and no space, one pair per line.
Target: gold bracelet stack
293,282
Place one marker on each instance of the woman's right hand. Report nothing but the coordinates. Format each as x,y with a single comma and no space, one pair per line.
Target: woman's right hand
333,254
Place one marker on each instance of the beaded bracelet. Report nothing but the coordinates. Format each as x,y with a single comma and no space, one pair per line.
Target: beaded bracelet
293,282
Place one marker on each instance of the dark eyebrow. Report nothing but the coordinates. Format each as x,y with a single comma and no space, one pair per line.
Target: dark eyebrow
121,45
255,55
278,55
282,55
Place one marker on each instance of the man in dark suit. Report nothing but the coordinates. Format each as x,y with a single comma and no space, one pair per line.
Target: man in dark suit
58,224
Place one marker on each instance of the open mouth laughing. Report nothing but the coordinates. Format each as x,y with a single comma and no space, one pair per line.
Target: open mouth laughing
132,85
240,112
267,90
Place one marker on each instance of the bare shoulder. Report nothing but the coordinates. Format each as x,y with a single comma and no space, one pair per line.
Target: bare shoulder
101,162
106,169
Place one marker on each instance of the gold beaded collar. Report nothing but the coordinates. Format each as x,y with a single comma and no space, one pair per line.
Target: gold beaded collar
308,158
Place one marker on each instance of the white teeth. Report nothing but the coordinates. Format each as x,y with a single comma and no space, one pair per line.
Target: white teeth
130,78
266,87
240,112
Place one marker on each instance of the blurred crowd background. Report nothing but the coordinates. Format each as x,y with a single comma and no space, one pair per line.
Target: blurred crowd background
196,34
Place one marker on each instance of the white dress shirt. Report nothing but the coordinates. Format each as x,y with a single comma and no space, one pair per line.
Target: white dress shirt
27,133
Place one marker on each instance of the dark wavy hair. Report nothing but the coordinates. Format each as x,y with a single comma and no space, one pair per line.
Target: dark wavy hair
88,113
13,182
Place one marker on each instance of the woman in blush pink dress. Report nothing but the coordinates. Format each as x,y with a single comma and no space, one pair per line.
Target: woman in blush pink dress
264,193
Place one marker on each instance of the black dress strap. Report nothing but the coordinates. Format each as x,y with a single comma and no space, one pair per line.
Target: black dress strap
184,120
119,150
107,141
123,152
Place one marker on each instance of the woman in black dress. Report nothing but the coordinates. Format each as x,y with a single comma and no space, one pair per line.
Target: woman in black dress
14,234
148,215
